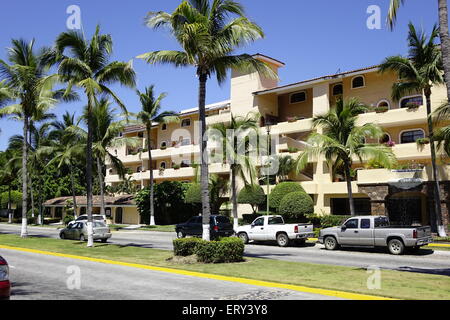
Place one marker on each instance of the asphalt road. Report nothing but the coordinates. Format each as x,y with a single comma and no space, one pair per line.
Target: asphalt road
41,277
426,261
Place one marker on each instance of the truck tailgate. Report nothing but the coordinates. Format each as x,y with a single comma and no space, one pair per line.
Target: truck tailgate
305,228
423,232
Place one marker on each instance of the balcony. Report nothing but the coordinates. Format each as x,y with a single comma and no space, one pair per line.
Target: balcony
396,117
290,127
172,152
376,176
223,117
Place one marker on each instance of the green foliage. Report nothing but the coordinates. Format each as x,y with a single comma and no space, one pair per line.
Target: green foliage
194,194
67,219
226,250
170,205
280,191
296,205
185,247
252,195
332,220
16,198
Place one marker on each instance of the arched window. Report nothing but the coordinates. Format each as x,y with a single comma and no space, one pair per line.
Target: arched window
411,136
411,102
164,127
298,97
338,89
139,169
163,165
163,145
358,82
384,104
385,139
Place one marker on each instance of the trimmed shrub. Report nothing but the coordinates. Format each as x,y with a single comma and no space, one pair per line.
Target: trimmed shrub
185,247
280,191
68,219
226,250
252,195
296,205
332,221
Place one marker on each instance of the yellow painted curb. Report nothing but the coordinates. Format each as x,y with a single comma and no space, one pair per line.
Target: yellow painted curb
332,293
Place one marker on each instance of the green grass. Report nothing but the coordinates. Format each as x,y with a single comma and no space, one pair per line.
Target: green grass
395,284
170,228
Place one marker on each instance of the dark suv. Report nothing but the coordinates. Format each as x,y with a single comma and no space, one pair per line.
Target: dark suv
220,226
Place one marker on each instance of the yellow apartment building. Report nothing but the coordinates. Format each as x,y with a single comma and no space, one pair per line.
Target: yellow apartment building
289,110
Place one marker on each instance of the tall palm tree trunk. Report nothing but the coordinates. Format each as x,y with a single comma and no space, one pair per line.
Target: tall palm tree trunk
204,173
351,201
436,187
9,205
31,196
102,189
74,195
24,232
445,41
89,176
234,199
152,182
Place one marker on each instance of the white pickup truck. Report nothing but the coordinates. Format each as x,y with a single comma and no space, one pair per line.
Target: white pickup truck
273,228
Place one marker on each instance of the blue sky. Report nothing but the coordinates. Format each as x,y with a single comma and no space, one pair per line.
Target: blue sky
313,38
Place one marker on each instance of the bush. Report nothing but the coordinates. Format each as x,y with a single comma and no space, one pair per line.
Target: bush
16,198
185,247
226,250
280,191
252,195
328,221
68,219
296,205
249,218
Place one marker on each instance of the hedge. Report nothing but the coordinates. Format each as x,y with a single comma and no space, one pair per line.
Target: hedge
327,221
185,247
225,250
296,205
280,191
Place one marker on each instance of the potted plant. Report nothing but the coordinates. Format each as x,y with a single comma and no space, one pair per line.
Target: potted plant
390,144
381,109
176,167
423,141
412,106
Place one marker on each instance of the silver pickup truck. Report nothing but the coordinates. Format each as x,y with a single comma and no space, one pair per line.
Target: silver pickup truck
375,231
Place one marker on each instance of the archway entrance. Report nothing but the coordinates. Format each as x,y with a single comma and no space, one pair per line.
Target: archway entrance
407,208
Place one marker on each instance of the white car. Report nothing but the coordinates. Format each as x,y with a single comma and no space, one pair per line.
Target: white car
273,228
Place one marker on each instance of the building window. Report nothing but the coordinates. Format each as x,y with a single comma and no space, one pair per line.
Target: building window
163,165
412,136
298,97
164,127
410,102
163,145
139,169
384,104
338,89
358,82
186,123
140,134
385,139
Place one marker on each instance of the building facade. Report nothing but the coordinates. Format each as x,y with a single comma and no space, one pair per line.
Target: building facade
289,110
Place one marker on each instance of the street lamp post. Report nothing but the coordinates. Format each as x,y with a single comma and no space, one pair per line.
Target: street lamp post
268,167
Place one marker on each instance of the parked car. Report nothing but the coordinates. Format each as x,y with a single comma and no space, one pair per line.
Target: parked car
78,231
375,231
220,226
273,228
5,285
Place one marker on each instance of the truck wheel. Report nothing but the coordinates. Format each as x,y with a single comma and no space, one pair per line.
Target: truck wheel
331,243
282,240
396,247
244,237
180,234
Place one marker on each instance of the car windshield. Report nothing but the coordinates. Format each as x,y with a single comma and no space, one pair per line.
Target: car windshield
98,224
98,217
276,220
222,220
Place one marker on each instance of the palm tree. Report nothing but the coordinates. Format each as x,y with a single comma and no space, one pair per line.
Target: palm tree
236,153
419,72
342,141
285,166
150,114
67,150
28,85
87,66
208,37
8,174
443,33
